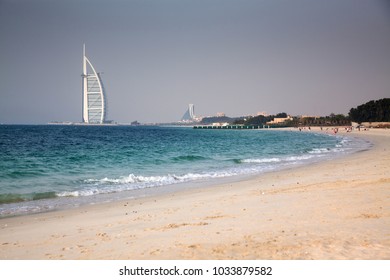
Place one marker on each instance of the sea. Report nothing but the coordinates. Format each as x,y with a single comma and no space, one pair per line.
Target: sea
50,167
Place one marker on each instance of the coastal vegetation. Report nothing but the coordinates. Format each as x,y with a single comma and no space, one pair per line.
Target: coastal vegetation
332,119
219,119
372,111
260,119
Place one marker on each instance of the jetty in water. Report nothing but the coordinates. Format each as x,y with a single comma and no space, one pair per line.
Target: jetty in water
230,126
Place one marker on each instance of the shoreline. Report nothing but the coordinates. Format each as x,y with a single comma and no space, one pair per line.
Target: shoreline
37,202
337,209
62,200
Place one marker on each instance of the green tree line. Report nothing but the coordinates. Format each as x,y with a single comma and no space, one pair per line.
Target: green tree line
372,111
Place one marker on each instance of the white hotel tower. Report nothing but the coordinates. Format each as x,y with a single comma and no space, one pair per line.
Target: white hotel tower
189,115
94,96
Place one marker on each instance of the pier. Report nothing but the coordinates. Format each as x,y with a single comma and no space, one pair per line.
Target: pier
229,127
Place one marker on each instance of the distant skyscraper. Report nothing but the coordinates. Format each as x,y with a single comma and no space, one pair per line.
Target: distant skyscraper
189,115
94,98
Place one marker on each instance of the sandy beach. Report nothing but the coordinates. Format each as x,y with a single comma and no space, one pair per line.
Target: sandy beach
337,209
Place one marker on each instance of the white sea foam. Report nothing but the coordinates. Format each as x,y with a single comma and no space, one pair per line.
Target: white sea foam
320,151
260,160
106,185
299,158
133,182
249,166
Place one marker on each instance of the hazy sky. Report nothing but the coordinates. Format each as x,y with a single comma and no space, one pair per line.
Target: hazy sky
234,56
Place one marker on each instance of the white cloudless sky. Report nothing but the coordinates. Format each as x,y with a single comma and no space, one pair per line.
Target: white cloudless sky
311,57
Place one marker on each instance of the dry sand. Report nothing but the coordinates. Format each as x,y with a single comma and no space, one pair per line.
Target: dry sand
338,209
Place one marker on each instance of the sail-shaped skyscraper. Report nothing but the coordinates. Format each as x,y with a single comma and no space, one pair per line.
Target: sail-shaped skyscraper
189,115
94,97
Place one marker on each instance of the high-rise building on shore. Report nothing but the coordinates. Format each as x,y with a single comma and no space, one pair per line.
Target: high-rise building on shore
94,102
189,115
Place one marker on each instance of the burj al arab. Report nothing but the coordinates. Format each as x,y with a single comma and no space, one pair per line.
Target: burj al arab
94,102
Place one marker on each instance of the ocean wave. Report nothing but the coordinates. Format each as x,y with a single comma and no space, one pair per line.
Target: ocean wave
106,185
133,182
260,160
188,158
282,160
320,150
20,174
14,198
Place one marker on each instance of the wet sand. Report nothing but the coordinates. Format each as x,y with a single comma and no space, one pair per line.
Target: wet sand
338,209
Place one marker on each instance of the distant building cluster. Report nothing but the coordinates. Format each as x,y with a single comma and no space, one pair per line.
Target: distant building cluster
263,113
189,117
280,120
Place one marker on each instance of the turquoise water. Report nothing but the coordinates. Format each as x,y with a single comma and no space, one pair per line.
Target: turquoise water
44,167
